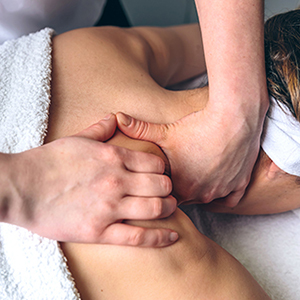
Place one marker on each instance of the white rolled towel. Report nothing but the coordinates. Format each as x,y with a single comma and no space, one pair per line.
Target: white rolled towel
31,267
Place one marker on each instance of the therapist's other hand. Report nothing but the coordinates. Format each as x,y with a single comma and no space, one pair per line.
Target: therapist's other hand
78,189
209,159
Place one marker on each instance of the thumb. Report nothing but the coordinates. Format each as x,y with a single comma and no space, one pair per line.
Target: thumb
101,131
156,133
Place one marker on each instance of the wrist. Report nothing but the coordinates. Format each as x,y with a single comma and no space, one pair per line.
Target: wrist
14,208
240,107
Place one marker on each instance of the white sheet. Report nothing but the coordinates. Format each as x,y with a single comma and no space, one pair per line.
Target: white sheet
267,245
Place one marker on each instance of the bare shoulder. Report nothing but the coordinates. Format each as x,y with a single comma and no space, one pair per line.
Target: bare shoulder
108,41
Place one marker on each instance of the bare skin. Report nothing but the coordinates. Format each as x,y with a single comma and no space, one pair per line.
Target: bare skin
192,268
98,71
233,118
122,82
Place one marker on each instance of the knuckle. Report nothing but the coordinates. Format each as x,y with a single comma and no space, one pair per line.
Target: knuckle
142,128
208,196
225,192
114,183
137,238
159,239
158,163
161,165
166,184
108,208
245,182
112,154
157,207
91,231
94,236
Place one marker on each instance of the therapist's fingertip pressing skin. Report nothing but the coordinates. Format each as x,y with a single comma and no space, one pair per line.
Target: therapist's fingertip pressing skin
124,119
100,131
153,238
124,234
173,237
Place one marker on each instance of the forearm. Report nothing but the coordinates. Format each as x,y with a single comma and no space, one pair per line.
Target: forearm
234,50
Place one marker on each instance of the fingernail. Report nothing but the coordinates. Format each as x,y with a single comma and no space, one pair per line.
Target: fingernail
173,236
124,119
107,117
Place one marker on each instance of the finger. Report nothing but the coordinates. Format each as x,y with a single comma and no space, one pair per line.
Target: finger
147,185
101,131
156,133
136,161
140,208
233,198
128,235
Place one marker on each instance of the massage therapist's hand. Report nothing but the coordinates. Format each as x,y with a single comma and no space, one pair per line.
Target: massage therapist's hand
78,189
211,155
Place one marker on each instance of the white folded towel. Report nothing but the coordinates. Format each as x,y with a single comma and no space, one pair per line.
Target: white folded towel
31,267
281,138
